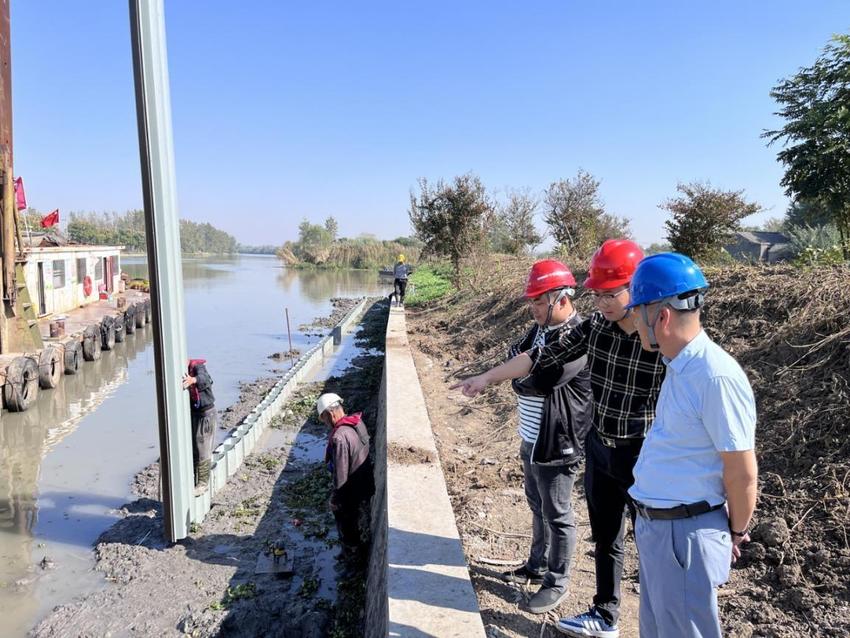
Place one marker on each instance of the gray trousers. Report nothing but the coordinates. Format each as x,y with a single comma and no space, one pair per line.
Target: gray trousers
682,562
548,490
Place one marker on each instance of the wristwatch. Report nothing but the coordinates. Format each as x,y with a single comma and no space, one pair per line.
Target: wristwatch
738,534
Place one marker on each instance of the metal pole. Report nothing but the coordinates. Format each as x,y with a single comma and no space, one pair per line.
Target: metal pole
289,334
7,242
153,109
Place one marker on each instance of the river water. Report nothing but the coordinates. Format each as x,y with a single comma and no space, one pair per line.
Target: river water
66,463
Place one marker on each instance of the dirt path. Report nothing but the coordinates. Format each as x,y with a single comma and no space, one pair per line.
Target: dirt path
207,584
479,451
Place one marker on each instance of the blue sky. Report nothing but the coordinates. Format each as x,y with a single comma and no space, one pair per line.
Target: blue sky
289,110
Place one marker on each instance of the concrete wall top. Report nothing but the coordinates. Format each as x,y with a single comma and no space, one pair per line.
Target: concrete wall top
428,586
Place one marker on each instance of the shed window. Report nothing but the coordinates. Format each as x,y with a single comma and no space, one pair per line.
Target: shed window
81,269
98,269
58,273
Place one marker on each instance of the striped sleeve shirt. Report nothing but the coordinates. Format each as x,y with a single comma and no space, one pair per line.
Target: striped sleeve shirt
531,408
626,379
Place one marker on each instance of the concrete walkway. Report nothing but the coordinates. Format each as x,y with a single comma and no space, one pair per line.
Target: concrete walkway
428,589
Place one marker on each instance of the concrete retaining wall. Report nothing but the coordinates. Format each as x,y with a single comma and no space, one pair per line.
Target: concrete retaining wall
228,456
418,577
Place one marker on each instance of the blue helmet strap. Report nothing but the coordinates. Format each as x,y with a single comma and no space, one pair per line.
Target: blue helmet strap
650,325
689,302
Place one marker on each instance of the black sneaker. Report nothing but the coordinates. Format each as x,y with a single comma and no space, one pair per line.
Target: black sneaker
546,599
523,576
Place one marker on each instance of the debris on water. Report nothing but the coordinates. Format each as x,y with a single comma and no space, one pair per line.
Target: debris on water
286,354
46,563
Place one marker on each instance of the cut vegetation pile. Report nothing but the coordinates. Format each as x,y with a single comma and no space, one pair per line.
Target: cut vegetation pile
790,330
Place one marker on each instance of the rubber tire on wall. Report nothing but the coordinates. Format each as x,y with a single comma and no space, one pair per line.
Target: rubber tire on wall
21,387
73,357
140,315
130,320
49,367
148,311
118,328
91,343
107,333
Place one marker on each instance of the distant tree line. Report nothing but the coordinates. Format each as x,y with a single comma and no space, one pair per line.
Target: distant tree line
128,229
318,246
269,249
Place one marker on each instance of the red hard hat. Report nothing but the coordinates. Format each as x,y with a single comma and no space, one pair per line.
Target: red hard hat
548,274
613,264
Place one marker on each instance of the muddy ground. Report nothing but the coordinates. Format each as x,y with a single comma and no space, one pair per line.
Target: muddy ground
207,584
790,331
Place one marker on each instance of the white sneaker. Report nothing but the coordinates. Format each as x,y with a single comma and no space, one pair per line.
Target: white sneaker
590,623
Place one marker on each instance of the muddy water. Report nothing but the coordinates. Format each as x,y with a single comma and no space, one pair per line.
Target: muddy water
66,463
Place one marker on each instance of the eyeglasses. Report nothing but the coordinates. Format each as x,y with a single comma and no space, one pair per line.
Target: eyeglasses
607,297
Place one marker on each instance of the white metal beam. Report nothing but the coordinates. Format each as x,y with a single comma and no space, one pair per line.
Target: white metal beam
153,109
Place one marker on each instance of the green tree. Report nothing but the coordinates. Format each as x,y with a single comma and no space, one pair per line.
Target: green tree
803,213
815,104
332,227
128,230
576,216
704,219
657,247
513,229
314,243
451,219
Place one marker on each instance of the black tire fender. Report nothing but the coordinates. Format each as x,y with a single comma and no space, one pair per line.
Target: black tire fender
107,333
130,319
118,328
73,357
91,343
50,367
140,315
21,387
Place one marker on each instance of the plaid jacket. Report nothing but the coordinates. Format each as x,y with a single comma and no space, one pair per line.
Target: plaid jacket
626,379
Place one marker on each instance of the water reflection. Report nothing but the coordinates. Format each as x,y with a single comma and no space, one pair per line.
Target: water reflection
320,285
25,440
194,270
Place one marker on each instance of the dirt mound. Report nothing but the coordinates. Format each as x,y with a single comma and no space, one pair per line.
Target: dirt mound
790,330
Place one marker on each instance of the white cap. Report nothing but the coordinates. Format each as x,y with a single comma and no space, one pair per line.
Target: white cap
327,400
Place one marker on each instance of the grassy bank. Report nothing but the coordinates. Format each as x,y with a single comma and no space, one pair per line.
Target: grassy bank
429,283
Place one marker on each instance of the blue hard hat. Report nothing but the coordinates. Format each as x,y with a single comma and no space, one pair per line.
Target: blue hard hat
662,276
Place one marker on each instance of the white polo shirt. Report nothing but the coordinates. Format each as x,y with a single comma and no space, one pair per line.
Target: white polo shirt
706,406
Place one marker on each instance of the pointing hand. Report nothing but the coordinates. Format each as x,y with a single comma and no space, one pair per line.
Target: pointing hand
471,386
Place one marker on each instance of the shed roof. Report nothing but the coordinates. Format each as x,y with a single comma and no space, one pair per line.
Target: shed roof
763,237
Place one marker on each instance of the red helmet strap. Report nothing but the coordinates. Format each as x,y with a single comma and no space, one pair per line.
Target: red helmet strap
562,292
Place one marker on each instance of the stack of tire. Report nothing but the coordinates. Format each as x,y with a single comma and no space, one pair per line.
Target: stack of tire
26,374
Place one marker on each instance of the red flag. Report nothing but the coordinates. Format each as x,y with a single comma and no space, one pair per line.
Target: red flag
49,220
20,195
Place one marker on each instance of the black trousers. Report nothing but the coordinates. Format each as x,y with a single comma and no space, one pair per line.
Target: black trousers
203,433
399,287
351,498
608,476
